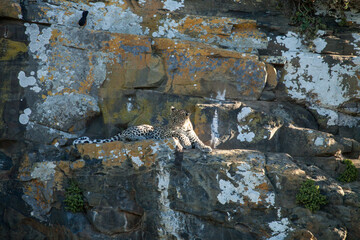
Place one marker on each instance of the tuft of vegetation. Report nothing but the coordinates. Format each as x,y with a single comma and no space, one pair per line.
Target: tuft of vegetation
350,174
73,198
306,20
309,195
303,15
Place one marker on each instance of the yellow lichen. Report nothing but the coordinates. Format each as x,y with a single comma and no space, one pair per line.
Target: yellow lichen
10,49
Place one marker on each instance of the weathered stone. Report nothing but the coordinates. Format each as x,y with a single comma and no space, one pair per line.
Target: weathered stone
241,35
267,96
314,78
143,153
200,70
10,8
327,229
302,234
5,162
271,77
13,58
93,78
136,107
336,122
64,111
308,142
110,220
38,133
331,165
286,177
233,195
213,6
145,186
250,125
336,194
10,49
132,63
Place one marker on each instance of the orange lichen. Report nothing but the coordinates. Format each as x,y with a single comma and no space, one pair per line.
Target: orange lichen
34,189
263,186
116,153
77,164
198,63
62,169
228,29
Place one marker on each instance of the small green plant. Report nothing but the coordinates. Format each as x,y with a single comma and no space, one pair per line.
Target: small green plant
304,17
350,174
309,195
73,198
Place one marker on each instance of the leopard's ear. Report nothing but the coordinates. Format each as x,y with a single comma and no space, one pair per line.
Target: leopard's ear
172,108
188,114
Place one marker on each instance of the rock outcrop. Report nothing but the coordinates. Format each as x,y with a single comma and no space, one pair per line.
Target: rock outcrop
276,108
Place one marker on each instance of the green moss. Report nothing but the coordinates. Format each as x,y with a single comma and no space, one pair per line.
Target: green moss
73,198
350,174
309,195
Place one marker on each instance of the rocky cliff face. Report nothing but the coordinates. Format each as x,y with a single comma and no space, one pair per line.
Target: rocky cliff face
276,109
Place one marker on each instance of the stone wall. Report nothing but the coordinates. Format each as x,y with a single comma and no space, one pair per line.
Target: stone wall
275,109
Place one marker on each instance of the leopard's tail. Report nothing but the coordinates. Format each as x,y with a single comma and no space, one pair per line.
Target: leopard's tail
85,139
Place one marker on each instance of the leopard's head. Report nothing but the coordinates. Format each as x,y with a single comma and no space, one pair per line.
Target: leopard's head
178,117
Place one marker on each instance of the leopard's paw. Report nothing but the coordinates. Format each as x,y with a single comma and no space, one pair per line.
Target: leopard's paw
206,149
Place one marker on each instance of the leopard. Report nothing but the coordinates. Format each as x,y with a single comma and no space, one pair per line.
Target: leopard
179,128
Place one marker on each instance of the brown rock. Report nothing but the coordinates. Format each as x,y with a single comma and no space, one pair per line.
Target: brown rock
308,142
10,8
271,77
200,70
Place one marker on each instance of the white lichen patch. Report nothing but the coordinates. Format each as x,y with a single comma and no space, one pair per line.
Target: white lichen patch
352,16
333,118
278,184
43,171
56,111
221,95
129,105
280,229
356,42
319,44
348,121
155,147
38,40
315,78
337,119
114,16
171,222
215,130
319,141
137,161
245,111
173,5
25,81
24,117
167,28
244,185
245,134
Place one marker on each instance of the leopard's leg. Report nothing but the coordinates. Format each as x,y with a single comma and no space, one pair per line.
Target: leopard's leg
179,147
197,142
183,139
